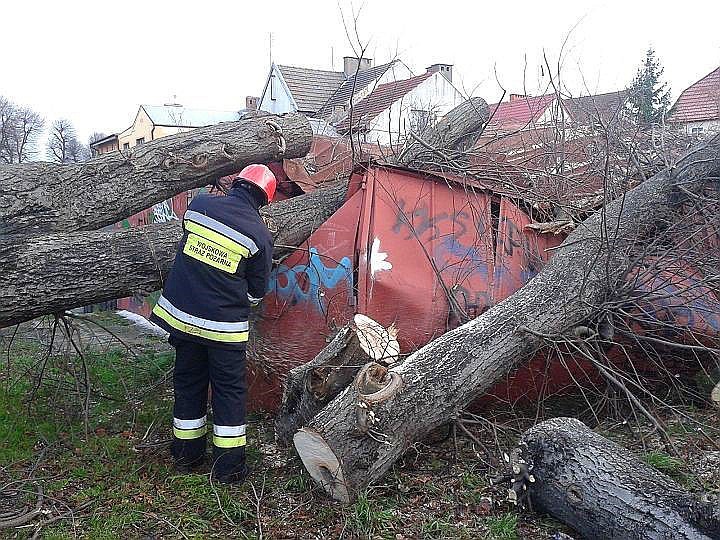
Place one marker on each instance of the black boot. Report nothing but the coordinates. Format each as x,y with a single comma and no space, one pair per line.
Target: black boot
229,465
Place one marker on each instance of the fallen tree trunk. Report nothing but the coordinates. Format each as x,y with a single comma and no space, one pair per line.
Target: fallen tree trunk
309,387
54,272
442,378
448,140
602,490
47,197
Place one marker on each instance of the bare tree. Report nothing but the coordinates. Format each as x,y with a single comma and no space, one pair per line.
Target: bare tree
19,131
63,145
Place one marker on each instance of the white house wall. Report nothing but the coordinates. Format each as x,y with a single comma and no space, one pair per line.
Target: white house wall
708,126
435,94
278,99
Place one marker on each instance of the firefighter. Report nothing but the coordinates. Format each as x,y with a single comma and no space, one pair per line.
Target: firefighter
220,271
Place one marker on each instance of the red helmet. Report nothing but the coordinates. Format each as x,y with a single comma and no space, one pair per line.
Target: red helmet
262,177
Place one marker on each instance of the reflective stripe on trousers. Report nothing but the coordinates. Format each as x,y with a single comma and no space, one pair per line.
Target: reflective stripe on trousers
189,429
229,436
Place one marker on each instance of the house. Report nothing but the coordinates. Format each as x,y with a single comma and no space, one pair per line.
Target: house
697,110
104,145
393,109
321,93
379,103
155,121
527,112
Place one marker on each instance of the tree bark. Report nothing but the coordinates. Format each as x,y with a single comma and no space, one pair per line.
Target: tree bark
54,272
455,134
602,490
47,197
309,387
442,378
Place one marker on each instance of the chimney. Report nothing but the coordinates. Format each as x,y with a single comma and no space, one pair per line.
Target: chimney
350,65
443,69
515,97
251,103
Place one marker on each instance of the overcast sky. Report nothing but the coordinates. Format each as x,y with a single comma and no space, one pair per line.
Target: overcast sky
95,62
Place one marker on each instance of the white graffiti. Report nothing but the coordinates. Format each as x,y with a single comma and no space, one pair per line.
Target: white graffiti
163,212
378,259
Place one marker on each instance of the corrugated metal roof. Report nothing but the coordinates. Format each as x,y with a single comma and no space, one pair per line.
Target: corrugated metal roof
380,99
353,85
311,88
701,101
173,115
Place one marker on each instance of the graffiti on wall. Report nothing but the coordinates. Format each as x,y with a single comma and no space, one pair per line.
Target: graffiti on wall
163,212
307,283
420,223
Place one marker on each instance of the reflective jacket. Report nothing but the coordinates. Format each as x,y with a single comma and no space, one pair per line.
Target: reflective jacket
221,269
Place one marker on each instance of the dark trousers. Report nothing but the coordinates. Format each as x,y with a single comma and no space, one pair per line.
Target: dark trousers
195,366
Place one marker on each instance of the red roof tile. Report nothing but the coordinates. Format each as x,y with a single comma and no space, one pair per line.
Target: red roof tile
521,110
701,101
380,99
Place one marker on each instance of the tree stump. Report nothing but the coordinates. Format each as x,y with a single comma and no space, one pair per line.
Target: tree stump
309,387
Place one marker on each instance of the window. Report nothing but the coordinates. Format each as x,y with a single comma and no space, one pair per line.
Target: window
126,146
697,130
139,141
420,120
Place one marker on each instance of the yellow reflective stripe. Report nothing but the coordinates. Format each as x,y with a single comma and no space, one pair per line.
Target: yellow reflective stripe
218,238
226,337
229,442
189,433
209,252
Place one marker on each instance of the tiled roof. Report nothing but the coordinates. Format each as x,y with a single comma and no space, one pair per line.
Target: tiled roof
311,88
380,99
525,110
174,115
520,111
589,109
353,84
701,101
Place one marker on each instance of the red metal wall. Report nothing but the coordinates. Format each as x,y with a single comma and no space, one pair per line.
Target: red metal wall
394,252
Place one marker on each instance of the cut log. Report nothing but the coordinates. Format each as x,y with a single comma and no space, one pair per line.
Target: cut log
54,272
443,377
309,387
602,490
448,140
47,197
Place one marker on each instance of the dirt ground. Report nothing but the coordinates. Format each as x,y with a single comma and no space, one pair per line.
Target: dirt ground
95,464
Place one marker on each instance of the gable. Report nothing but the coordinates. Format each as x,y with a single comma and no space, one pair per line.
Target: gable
700,101
276,96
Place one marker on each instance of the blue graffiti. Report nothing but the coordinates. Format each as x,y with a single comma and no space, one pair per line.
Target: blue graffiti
474,260
306,282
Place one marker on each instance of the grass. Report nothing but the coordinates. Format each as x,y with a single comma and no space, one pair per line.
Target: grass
369,517
663,462
118,478
438,528
504,527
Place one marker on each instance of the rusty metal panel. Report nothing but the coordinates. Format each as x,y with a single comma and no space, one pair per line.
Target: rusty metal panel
422,242
520,253
311,294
